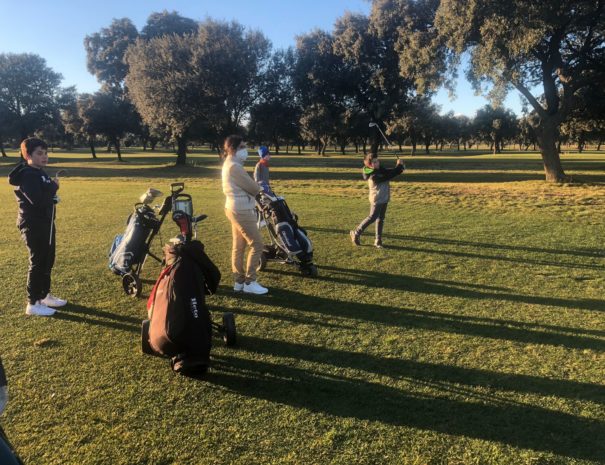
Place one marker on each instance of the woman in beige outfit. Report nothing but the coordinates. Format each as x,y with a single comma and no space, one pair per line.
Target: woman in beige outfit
240,190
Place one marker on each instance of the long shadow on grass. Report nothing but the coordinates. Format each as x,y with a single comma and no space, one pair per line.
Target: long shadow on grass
95,317
459,243
437,321
509,422
440,376
445,288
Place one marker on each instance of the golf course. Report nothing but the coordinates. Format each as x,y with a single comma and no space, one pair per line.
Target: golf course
475,336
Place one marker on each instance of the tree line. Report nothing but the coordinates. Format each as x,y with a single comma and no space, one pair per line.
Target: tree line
181,81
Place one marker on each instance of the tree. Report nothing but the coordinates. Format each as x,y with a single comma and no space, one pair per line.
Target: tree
105,113
190,84
163,23
417,122
553,48
321,81
274,118
105,52
231,66
163,85
495,125
28,92
373,84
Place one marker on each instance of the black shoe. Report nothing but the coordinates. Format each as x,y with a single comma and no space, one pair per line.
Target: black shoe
354,238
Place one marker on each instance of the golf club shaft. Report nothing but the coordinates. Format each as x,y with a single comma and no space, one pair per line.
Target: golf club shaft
52,221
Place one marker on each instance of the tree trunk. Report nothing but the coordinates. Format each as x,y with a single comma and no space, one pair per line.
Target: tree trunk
181,153
276,143
342,148
581,142
364,147
299,149
91,144
413,147
356,147
116,142
599,145
547,135
2,149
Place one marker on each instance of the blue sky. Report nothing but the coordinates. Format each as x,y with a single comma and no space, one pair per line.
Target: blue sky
59,27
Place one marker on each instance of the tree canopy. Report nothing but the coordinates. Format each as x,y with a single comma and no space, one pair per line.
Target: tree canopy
548,51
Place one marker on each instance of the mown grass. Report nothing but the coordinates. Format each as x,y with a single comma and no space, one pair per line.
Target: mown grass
476,336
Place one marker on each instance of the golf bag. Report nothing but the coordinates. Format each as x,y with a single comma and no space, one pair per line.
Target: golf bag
130,248
179,324
289,242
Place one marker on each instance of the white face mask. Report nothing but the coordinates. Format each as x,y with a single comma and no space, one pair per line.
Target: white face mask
241,155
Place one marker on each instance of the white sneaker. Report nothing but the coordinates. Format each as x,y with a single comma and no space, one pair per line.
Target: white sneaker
255,288
52,301
238,287
39,309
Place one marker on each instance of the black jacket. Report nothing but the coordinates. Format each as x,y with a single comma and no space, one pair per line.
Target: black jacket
35,193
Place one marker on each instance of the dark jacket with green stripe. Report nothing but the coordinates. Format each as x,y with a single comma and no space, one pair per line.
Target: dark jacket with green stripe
378,181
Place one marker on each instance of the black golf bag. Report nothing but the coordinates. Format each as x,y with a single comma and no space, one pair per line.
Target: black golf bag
129,249
289,242
179,324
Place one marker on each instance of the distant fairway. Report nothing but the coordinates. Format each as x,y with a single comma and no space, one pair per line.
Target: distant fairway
476,336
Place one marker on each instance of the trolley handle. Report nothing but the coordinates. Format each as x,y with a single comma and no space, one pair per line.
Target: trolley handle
177,187
197,219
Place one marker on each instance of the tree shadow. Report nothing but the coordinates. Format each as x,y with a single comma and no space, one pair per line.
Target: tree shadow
445,288
461,243
498,329
92,316
487,417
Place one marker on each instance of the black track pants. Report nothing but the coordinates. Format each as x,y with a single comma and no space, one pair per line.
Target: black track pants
41,258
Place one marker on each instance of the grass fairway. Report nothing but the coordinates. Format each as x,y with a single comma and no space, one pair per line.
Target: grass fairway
477,336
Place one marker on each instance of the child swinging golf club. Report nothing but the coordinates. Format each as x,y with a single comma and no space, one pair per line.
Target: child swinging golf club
378,179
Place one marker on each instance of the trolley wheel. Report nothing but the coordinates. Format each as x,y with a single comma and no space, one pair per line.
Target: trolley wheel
310,271
230,333
132,285
145,346
262,263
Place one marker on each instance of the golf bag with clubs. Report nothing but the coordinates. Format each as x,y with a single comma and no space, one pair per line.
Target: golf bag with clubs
288,241
129,251
179,324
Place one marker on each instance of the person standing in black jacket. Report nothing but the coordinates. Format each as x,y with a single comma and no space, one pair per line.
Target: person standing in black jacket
36,195
380,193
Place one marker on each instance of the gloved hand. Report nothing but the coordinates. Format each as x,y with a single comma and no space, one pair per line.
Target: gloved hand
56,199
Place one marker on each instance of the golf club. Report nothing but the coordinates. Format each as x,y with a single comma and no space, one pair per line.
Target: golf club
375,125
52,218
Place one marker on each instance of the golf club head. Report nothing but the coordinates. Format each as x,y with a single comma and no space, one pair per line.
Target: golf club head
372,124
149,196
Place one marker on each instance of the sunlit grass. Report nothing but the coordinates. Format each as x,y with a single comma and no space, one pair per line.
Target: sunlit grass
476,336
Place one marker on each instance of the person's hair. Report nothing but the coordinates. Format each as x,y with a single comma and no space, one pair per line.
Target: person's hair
29,145
231,144
368,160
